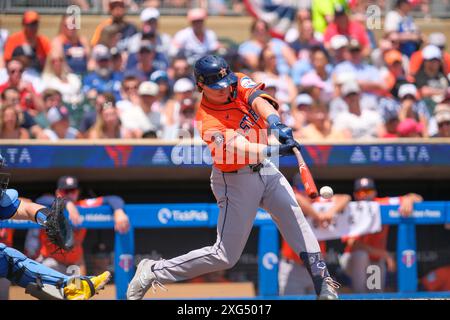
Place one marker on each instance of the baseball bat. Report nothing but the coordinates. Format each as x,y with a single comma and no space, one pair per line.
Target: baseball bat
305,175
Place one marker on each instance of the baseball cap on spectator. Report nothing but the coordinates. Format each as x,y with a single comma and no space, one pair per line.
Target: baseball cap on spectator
30,17
149,14
148,88
303,99
442,113
344,77
146,45
349,88
159,75
67,183
407,89
58,113
354,45
339,10
431,52
408,127
338,41
197,14
101,52
437,39
364,184
183,85
23,50
392,56
312,80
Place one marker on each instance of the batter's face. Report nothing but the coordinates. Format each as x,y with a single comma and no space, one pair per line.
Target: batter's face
216,96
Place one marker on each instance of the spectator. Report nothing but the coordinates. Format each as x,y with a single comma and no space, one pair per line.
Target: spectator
179,69
108,126
343,25
39,44
303,102
51,98
149,19
126,29
293,278
195,41
401,22
411,107
29,99
68,188
313,85
305,41
23,54
102,79
303,14
368,77
110,36
161,78
439,40
360,252
267,69
410,128
430,79
180,111
58,76
146,115
10,120
129,92
322,70
11,98
357,122
59,120
89,118
145,61
318,126
4,33
442,117
322,12
251,50
72,45
338,49
394,74
117,60
391,122
388,43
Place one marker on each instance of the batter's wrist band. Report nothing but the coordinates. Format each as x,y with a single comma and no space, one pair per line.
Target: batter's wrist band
41,216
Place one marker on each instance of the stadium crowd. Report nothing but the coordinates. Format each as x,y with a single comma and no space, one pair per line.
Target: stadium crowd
333,79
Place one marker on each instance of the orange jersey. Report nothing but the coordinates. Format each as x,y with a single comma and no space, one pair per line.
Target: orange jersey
437,280
74,256
220,124
377,240
17,39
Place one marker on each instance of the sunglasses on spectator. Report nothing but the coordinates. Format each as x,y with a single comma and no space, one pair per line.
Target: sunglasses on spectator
15,70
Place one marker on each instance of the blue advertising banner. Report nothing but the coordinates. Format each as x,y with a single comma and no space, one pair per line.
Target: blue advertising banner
135,156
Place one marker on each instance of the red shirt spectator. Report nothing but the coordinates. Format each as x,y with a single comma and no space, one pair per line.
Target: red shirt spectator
29,35
29,98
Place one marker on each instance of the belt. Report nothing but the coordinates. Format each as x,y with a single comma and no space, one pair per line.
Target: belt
253,167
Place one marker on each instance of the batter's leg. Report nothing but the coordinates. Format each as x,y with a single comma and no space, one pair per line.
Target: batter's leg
238,197
279,200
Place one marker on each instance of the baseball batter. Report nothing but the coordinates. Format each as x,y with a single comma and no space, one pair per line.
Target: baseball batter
233,119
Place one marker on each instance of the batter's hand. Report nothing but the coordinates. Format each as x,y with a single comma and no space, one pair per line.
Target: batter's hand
283,132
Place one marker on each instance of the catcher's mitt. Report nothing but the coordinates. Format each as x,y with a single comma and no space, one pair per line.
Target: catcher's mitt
58,228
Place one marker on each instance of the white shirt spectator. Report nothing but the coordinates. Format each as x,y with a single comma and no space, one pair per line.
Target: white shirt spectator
367,102
361,127
187,42
135,118
71,133
29,75
70,90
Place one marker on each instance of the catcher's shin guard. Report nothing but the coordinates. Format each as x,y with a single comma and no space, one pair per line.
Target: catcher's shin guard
27,273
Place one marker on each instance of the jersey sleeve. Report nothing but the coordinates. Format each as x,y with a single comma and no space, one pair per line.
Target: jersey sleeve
248,90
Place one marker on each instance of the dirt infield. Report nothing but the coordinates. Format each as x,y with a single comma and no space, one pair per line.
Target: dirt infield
175,291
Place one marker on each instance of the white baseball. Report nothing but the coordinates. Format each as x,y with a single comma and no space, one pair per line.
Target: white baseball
326,192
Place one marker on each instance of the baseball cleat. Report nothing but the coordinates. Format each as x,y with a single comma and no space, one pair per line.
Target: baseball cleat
328,289
86,288
143,280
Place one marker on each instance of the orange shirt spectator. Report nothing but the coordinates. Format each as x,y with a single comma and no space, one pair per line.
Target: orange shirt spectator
6,236
29,35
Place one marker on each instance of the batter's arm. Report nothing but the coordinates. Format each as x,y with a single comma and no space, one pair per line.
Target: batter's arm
263,108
